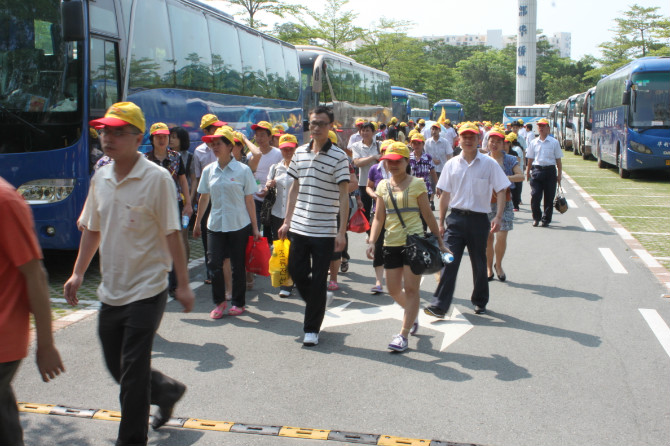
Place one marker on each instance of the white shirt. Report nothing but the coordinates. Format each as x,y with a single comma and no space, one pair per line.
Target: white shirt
353,139
470,185
134,216
450,135
360,150
439,150
529,138
203,157
261,174
284,182
227,189
544,153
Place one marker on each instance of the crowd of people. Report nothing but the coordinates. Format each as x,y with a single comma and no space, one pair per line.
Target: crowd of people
139,208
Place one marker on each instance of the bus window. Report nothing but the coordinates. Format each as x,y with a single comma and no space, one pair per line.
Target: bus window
126,9
103,17
275,69
152,63
192,56
253,61
292,73
226,58
104,84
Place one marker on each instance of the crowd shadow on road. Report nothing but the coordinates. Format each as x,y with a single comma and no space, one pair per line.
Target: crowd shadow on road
553,292
209,356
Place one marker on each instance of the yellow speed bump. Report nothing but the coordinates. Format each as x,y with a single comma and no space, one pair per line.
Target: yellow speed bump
35,408
387,440
107,415
299,432
209,425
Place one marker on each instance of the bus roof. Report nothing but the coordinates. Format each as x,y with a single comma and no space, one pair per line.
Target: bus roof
307,52
650,63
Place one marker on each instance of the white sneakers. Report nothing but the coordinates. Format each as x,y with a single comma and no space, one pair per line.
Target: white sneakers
311,339
329,298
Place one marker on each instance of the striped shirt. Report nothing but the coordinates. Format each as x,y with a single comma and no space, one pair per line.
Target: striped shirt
319,175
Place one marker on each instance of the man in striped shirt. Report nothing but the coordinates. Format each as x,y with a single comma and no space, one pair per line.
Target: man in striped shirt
318,197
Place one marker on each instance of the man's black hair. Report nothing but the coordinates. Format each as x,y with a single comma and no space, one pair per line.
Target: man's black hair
325,110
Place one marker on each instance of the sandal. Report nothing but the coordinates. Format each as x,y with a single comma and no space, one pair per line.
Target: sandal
235,311
333,286
377,289
217,312
344,266
208,281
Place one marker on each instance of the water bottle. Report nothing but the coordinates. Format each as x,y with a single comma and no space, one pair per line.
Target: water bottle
184,221
447,257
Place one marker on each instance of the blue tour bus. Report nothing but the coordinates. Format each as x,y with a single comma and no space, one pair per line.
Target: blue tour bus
631,128
407,104
529,113
65,62
453,110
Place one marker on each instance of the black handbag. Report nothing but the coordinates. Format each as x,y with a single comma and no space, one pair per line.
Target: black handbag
269,202
560,203
421,253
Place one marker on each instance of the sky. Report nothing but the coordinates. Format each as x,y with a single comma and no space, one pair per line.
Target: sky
589,21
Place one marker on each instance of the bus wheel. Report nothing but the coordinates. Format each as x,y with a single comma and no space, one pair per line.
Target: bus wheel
623,173
585,156
575,149
601,163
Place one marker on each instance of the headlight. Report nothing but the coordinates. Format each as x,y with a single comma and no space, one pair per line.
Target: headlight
641,148
46,191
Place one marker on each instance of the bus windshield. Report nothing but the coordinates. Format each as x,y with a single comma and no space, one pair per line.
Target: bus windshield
40,78
650,98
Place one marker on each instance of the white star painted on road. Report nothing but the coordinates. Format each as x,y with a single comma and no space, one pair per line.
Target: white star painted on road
452,327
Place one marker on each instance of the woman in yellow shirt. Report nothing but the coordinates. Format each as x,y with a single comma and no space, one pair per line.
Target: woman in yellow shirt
411,196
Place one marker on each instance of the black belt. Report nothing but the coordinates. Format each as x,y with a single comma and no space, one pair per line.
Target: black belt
464,212
535,166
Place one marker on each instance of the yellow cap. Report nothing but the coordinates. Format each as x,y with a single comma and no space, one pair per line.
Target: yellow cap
418,137
396,151
262,125
385,144
288,140
542,121
468,127
221,132
332,136
511,137
497,131
210,119
278,130
422,121
159,128
120,114
393,120
447,121
239,137
360,121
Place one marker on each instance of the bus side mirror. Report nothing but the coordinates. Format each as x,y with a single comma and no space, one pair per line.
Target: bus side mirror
317,75
72,13
625,100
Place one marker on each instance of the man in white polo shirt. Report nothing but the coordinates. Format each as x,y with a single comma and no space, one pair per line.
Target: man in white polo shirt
466,183
318,196
131,215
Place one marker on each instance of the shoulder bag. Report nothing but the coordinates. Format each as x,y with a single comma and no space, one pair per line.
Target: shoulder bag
421,253
560,203
269,201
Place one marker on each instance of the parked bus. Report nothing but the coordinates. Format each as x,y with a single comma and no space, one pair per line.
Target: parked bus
632,118
453,110
408,104
529,113
352,89
65,63
582,123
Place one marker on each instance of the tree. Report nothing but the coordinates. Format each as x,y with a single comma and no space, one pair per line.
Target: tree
293,33
335,26
274,7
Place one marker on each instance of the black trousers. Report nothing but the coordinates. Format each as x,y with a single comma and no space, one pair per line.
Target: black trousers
542,185
203,230
465,231
11,433
231,245
516,194
266,230
367,202
127,334
308,262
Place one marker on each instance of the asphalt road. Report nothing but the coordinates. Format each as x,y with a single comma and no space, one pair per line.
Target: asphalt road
563,356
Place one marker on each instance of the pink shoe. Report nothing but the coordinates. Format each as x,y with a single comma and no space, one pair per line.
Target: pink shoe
217,312
235,311
333,286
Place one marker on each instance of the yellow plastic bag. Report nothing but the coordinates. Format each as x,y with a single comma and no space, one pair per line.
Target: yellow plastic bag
278,265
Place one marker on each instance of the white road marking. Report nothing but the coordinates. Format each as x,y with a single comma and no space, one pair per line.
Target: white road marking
647,258
586,223
452,327
624,234
572,204
612,261
90,303
637,216
607,217
652,233
627,195
658,326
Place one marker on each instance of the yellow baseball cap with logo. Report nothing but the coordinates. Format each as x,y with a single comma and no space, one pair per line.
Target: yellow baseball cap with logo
209,120
360,122
418,137
422,121
288,141
497,131
262,125
511,137
239,137
221,132
395,152
542,121
120,114
332,136
385,144
468,127
159,128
